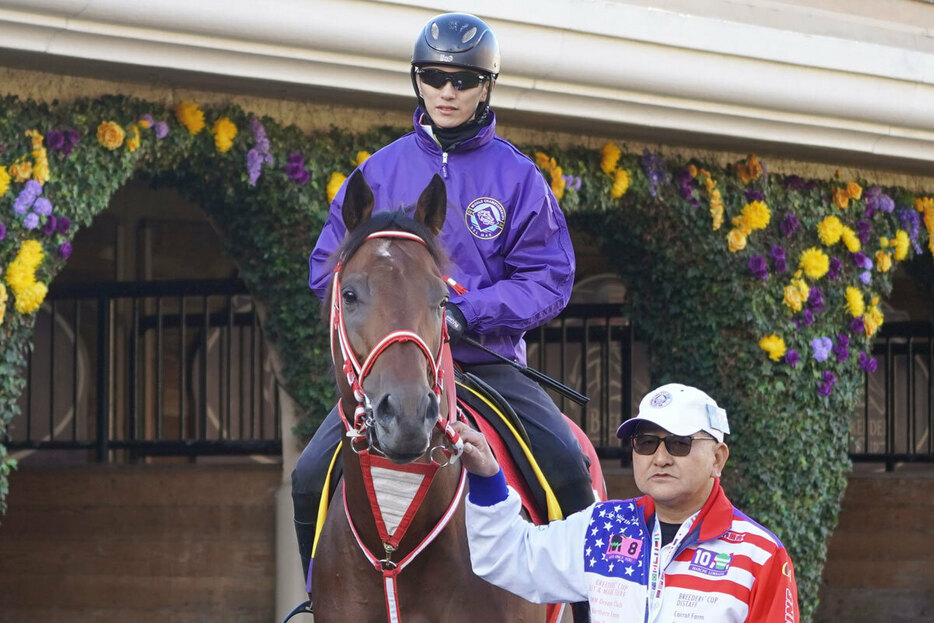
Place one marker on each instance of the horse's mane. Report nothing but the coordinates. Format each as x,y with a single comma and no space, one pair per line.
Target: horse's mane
381,221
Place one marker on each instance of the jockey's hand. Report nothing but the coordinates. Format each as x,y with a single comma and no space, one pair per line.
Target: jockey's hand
477,457
456,322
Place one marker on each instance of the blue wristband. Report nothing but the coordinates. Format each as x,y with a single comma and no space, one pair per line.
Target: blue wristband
487,491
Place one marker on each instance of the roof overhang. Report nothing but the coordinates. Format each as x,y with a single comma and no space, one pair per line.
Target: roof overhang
800,80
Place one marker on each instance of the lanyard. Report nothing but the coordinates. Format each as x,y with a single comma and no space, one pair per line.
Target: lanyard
661,557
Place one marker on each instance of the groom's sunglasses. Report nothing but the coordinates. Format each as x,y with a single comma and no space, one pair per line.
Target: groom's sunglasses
460,80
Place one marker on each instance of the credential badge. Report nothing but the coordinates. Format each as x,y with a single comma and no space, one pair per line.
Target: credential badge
485,218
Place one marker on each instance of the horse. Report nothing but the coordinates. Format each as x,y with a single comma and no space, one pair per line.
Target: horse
398,551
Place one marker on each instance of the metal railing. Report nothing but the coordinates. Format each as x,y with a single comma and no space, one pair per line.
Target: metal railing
894,423
149,368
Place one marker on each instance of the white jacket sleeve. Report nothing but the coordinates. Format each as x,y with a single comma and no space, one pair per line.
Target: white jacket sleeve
543,564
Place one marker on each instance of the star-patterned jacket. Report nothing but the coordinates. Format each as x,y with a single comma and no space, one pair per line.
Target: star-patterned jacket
725,567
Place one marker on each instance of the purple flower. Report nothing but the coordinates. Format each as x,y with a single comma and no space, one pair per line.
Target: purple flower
865,277
55,140
857,326
815,301
295,168
42,206
842,348
64,250
821,347
655,170
789,224
758,267
72,138
147,118
51,225
827,380
861,260
754,195
876,200
254,163
792,358
807,318
863,229
835,267
867,363
911,223
686,186
2,231
161,129
64,224
778,258
31,221
793,182
572,182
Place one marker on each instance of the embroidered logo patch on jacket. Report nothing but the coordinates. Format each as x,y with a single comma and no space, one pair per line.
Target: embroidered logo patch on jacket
485,218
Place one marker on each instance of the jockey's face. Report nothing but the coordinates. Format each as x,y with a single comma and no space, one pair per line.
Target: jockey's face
448,107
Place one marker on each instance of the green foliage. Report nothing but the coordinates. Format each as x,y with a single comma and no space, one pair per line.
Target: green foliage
693,299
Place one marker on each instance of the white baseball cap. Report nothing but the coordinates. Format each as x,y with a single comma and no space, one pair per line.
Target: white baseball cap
681,410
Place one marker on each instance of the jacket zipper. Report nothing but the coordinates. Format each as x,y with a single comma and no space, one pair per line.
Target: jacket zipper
444,165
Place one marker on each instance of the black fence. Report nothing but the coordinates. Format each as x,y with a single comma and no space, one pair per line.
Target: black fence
121,371
149,368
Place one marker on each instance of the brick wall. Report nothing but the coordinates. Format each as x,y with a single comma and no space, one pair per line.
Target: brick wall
140,544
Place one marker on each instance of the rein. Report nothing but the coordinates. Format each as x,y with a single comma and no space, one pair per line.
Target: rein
372,463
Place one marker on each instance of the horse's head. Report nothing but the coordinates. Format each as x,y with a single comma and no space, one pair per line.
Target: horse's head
389,296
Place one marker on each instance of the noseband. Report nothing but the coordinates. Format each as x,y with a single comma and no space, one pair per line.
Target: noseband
440,365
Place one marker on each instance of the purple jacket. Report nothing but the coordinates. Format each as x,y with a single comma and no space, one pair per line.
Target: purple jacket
504,233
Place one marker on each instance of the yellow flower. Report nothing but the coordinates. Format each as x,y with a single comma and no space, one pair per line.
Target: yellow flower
35,138
542,160
873,318
190,116
21,277
756,215
620,183
557,182
854,301
814,262
736,240
740,224
850,240
21,170
883,261
692,170
774,345
110,135
133,142
927,207
854,190
750,170
361,157
4,180
3,299
334,185
901,244
224,132
609,156
923,203
716,214
796,294
840,198
829,230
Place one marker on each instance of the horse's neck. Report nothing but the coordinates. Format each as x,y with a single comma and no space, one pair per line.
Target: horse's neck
430,511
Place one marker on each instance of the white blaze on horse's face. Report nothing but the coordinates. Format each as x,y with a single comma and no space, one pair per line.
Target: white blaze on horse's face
396,286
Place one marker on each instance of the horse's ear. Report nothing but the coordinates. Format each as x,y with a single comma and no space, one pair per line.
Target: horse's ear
432,205
358,201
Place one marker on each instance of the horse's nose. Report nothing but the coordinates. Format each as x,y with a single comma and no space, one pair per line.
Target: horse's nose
388,408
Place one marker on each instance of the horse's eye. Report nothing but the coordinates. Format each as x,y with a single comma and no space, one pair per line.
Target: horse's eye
349,296
443,303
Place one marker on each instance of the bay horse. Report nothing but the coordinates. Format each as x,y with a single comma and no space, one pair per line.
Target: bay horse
398,551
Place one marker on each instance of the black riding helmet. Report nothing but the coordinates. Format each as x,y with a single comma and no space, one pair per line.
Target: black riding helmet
458,40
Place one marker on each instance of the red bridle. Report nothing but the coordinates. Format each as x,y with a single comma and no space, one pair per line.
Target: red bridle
442,370
440,364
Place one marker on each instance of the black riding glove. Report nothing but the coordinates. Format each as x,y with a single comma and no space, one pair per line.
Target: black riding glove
456,322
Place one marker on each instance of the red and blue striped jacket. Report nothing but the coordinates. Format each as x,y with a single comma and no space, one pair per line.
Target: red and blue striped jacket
727,567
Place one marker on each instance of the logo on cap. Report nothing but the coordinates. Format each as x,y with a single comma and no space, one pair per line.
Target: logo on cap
661,399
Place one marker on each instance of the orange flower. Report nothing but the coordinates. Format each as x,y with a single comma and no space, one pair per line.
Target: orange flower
840,198
110,135
854,190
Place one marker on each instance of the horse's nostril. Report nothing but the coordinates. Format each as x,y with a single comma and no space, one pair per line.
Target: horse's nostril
430,406
388,407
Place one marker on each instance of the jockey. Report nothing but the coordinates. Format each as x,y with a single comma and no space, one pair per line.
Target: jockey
504,233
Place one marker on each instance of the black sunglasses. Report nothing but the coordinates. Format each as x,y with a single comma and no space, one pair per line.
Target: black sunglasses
460,80
675,444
